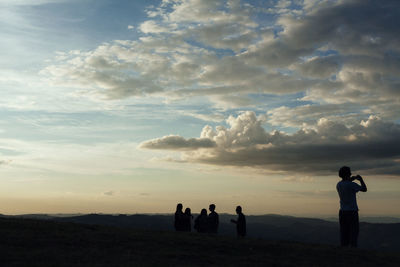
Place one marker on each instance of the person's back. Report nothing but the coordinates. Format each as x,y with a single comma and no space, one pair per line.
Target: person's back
347,193
201,222
187,220
213,220
179,218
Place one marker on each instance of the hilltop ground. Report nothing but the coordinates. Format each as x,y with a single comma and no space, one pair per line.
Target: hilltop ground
27,242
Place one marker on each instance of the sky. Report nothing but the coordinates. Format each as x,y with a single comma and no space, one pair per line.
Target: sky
134,106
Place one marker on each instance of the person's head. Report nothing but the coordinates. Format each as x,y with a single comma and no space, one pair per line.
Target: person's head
203,212
187,211
238,209
211,207
345,173
179,207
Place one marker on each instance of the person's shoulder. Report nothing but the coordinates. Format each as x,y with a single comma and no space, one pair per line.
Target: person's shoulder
346,182
355,185
340,183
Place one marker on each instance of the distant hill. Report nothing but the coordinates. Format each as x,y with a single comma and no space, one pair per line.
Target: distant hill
377,236
33,242
370,219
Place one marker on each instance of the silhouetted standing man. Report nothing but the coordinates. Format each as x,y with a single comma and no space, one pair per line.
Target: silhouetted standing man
179,218
348,214
240,222
213,220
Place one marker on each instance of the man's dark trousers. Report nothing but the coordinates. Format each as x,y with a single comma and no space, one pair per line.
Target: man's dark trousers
349,227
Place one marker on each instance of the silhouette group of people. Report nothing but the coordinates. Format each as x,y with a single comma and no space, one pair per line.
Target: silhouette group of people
348,213
206,223
183,220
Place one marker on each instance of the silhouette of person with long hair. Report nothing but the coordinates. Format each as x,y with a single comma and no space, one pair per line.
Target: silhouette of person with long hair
213,220
179,218
240,223
187,223
201,222
348,213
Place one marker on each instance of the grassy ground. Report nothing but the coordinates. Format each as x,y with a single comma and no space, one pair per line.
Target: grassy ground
45,243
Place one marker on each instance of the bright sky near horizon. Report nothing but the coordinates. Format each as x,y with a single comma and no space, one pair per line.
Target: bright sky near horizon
133,106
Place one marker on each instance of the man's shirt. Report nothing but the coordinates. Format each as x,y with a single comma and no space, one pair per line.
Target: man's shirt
347,192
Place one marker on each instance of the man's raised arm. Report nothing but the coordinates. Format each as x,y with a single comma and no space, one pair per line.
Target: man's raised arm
363,185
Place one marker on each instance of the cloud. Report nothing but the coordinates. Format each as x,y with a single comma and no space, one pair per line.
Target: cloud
330,52
309,193
175,142
109,193
4,162
309,115
206,11
49,157
151,26
294,179
371,145
205,117
166,58
319,67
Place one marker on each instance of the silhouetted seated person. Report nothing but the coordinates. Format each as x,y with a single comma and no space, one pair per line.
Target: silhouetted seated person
187,223
201,222
213,220
348,214
240,223
179,218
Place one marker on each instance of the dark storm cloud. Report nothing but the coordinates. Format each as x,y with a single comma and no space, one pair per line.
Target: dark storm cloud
351,27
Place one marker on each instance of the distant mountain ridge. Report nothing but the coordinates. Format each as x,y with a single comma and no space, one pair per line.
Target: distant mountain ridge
377,236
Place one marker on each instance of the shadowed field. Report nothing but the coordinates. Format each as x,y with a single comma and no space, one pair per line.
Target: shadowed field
27,242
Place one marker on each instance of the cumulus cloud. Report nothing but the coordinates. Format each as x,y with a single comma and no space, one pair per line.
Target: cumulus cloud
151,26
331,52
371,145
309,115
